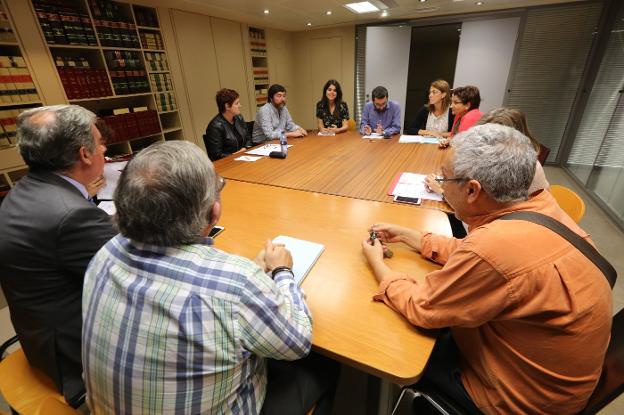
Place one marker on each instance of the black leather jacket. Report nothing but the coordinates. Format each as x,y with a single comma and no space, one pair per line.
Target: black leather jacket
220,139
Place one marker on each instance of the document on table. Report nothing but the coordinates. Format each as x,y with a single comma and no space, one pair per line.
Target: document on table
413,185
108,206
247,158
373,136
418,139
327,134
112,171
304,255
266,149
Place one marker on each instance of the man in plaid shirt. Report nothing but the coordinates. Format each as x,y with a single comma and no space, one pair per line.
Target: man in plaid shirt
174,325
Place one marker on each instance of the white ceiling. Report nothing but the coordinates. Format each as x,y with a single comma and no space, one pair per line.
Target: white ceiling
293,15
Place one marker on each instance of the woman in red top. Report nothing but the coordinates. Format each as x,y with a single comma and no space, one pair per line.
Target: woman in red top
465,103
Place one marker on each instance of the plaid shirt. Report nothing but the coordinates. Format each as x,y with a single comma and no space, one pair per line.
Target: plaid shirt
185,330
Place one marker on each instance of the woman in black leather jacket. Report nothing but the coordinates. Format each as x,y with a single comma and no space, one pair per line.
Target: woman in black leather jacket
227,132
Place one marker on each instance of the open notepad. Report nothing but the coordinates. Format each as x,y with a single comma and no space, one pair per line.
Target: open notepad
304,254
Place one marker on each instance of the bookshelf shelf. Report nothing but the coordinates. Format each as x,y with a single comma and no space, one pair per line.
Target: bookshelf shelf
167,112
60,46
146,136
120,48
148,28
154,50
170,130
6,43
150,72
19,104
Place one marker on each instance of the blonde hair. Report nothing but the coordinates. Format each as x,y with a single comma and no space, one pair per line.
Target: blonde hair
444,87
510,117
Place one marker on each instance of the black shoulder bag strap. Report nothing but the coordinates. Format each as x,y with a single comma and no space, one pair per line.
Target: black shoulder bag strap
566,233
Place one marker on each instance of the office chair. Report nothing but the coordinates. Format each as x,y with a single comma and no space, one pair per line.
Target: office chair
569,201
23,387
543,154
610,385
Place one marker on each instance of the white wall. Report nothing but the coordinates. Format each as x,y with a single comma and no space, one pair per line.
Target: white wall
484,57
387,61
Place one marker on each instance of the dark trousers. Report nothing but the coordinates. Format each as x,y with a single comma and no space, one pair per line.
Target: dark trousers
295,387
443,372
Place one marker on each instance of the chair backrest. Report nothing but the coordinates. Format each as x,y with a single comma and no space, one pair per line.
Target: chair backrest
351,124
543,154
569,201
611,383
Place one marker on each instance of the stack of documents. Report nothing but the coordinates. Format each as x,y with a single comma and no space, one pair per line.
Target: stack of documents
266,149
112,171
418,139
412,185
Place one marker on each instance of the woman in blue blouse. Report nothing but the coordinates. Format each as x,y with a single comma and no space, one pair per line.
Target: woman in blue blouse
332,113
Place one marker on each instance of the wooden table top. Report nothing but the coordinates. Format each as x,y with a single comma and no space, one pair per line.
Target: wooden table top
343,165
347,324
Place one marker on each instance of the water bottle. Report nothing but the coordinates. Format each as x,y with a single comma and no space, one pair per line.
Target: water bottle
283,143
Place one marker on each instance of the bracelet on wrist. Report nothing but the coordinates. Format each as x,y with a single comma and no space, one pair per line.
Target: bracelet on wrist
280,269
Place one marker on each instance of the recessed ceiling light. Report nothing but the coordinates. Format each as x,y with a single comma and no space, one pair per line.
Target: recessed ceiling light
384,13
479,3
328,12
422,1
362,7
309,24
266,11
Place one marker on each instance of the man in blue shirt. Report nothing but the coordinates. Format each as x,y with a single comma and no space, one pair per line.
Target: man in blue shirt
381,116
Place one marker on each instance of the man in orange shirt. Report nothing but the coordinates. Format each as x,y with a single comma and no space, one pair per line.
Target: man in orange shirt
529,314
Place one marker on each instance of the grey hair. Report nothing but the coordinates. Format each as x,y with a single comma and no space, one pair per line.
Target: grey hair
165,194
49,138
501,158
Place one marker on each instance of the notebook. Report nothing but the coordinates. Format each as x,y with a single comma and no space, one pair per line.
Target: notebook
304,253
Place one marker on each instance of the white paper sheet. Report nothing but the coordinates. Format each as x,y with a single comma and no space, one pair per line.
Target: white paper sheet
108,206
112,171
418,139
328,134
266,149
373,136
247,158
304,254
413,185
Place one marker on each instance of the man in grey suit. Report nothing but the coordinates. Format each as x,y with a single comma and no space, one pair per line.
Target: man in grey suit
50,231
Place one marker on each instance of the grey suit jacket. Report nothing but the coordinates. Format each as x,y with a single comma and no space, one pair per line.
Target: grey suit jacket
49,232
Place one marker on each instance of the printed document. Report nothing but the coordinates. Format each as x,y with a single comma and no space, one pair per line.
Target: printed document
418,139
112,171
413,185
266,149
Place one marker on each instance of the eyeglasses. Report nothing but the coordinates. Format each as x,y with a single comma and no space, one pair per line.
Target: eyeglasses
441,179
220,183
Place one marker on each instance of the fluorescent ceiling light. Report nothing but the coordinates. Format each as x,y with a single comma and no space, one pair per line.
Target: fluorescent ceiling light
362,7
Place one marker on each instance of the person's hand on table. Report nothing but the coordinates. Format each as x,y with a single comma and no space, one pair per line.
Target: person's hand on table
276,255
431,184
388,232
367,130
444,143
95,186
379,129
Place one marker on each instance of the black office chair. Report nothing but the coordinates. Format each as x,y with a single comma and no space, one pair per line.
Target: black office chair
610,385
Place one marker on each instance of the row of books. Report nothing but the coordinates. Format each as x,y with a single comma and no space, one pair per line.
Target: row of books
165,101
16,86
8,125
83,82
64,23
145,17
114,28
6,32
161,82
256,34
132,125
129,82
12,62
156,61
123,59
151,40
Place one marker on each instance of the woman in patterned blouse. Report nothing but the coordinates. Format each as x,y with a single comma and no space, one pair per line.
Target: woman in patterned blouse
331,111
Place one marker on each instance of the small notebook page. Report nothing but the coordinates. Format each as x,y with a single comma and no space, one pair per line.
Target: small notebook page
413,185
304,254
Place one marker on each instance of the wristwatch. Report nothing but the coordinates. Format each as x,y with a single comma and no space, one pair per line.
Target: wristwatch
279,269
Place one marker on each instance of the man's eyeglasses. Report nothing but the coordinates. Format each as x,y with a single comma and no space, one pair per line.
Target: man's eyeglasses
441,179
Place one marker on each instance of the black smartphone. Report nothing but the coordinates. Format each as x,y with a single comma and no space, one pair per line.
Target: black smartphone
410,200
216,230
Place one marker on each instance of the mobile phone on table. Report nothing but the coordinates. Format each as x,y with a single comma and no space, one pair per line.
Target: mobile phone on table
405,199
216,230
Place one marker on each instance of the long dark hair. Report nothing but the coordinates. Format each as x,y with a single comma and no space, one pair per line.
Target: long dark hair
338,100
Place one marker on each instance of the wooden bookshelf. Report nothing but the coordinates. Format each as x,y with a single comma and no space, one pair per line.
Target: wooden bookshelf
259,65
113,63
18,93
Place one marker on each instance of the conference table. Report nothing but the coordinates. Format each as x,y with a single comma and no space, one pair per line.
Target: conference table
330,190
